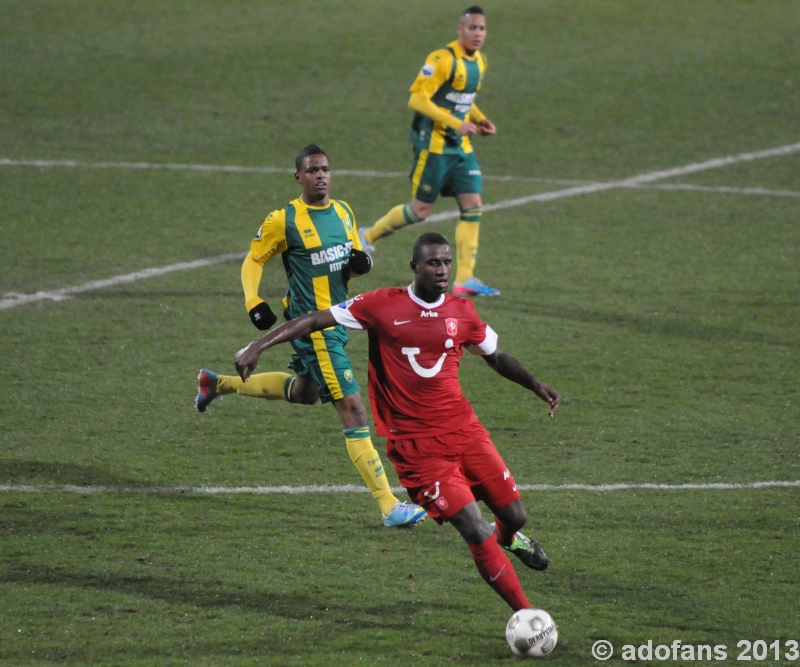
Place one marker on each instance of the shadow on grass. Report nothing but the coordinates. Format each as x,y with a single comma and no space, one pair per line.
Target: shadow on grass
58,473
214,594
668,326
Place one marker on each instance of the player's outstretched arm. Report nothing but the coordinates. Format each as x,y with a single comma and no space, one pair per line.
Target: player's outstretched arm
246,359
511,369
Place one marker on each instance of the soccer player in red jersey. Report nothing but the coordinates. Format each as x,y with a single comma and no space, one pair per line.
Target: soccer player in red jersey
443,455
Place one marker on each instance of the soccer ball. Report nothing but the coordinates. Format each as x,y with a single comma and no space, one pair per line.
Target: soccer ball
531,633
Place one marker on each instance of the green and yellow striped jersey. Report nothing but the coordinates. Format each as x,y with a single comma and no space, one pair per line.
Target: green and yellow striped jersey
451,80
315,244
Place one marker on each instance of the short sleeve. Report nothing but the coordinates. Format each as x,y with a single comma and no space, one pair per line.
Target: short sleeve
487,346
344,316
433,74
270,238
360,312
482,339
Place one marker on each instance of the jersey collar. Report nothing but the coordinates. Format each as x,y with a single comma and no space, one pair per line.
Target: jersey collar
424,304
460,53
312,207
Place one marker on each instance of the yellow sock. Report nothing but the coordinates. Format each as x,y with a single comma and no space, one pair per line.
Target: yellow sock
262,385
368,463
400,216
466,248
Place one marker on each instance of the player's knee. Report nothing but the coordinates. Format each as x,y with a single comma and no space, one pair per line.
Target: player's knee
519,525
471,525
417,212
305,395
518,516
513,515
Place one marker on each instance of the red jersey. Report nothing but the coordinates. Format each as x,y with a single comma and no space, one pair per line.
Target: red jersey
414,352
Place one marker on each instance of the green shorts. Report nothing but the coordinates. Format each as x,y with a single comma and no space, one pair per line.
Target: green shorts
322,357
446,174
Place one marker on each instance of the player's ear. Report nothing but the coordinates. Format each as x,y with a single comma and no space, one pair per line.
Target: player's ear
413,265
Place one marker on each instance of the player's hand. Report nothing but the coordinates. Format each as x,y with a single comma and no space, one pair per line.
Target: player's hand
262,316
359,262
551,396
467,129
246,361
486,127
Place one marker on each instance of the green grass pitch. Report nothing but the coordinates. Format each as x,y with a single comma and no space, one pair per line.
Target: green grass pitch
669,319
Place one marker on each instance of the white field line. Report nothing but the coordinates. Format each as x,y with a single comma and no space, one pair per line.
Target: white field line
11,299
351,488
721,189
14,299
5,162
74,164
633,181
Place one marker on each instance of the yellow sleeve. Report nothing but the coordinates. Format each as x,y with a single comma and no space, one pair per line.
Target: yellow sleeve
433,74
270,240
475,115
429,109
251,279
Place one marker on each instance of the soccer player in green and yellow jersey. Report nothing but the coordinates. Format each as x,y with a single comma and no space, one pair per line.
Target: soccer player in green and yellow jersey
443,97
320,247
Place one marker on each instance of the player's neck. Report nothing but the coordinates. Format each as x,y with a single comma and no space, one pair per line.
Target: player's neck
424,295
310,200
470,53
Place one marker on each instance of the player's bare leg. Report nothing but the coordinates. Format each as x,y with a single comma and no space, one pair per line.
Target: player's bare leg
493,565
369,465
509,520
301,389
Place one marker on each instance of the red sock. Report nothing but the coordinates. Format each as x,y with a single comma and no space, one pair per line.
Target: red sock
505,536
497,571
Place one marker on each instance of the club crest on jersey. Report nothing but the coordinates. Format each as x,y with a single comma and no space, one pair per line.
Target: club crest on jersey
451,324
427,70
348,224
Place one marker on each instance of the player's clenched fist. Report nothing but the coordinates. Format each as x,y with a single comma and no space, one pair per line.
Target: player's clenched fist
262,316
360,262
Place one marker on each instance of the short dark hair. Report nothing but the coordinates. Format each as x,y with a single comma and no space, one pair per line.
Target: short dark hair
311,149
428,238
475,9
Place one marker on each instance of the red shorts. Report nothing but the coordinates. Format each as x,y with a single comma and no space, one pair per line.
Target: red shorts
445,473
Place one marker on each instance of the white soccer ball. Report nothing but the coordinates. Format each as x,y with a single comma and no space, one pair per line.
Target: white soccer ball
531,633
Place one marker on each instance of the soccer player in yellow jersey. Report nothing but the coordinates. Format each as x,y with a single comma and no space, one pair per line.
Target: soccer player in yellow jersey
443,97
319,244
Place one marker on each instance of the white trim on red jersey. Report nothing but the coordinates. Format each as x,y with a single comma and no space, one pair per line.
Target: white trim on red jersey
341,313
424,304
488,346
